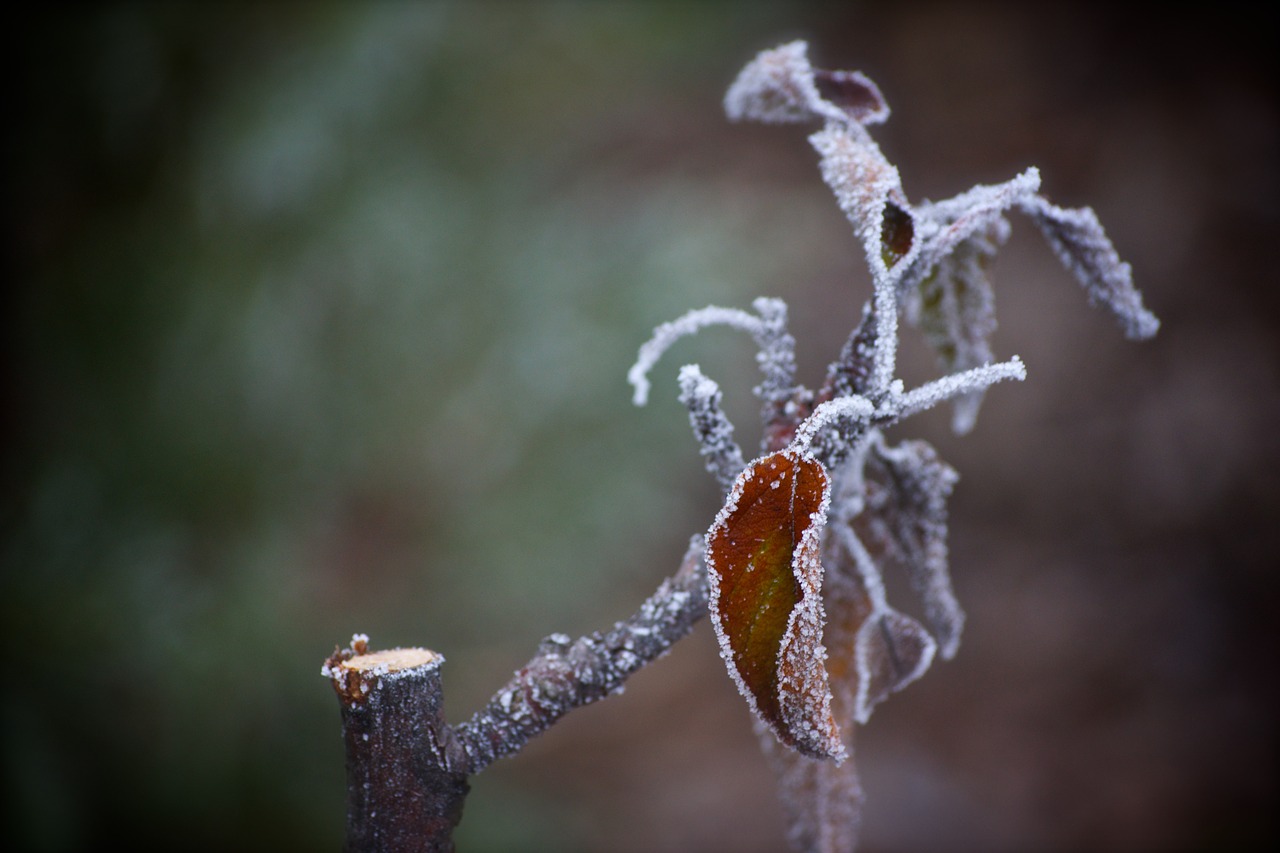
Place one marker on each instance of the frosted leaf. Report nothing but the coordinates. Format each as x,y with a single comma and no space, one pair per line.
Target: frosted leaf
1077,238
854,93
764,578
892,651
947,294
868,190
909,515
956,312
862,181
701,396
851,372
775,87
780,86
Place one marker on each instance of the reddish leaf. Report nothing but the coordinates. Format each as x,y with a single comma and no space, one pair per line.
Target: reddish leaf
765,577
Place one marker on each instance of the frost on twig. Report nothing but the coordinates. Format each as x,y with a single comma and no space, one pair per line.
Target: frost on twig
796,556
567,674
701,396
768,327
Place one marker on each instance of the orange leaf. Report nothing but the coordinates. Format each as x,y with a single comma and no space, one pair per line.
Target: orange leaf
765,576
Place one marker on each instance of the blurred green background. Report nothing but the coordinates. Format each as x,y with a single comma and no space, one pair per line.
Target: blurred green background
318,321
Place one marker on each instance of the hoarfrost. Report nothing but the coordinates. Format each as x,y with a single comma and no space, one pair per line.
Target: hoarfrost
1079,241
668,333
909,515
929,264
701,396
780,86
957,384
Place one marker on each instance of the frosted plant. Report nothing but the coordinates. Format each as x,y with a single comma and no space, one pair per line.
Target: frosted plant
791,570
794,559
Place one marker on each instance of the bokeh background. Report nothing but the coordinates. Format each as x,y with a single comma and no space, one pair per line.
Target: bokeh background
318,318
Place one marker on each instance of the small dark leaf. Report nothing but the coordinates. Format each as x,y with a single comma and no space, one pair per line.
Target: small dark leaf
897,230
852,92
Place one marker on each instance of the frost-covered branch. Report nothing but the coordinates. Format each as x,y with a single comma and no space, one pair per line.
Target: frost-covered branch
792,569
567,674
969,382
701,396
791,580
768,327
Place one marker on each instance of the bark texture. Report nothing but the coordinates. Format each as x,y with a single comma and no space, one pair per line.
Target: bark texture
403,793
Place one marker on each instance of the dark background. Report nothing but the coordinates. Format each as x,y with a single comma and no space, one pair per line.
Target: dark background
318,321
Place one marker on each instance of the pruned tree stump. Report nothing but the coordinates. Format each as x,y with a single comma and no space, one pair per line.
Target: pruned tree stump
403,791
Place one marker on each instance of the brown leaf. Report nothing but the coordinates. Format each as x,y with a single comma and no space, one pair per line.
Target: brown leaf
765,579
892,651
853,92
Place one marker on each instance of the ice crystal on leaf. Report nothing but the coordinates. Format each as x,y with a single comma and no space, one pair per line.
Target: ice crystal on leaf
795,557
907,514
1082,246
765,583
779,86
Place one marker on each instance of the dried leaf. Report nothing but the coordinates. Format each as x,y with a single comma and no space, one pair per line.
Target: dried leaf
1077,238
955,309
949,296
892,651
897,231
853,92
908,515
780,86
765,580
851,372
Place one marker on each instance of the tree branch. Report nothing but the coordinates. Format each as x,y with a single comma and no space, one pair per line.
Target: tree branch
564,675
403,791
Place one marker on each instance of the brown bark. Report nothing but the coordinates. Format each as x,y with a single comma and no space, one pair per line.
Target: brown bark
407,770
402,793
